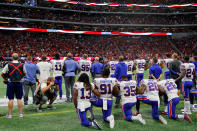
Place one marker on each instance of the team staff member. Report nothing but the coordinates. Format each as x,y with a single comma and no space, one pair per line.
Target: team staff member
69,69
174,68
45,68
155,71
96,69
12,74
30,79
120,70
46,92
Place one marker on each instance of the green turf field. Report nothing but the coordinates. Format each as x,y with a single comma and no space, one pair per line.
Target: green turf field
64,118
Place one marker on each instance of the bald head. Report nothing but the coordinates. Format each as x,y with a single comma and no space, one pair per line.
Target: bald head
69,55
96,59
15,56
121,58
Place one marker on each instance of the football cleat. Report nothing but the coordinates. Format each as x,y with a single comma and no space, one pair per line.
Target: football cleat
141,120
39,109
50,107
187,118
21,115
111,121
8,116
97,125
163,120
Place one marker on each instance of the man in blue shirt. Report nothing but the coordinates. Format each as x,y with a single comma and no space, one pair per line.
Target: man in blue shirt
96,68
30,79
120,70
70,68
155,71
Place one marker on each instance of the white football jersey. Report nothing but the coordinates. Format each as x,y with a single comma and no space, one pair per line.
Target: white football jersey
127,91
140,65
57,66
45,69
167,64
170,88
105,86
83,99
152,91
85,66
129,66
112,65
189,67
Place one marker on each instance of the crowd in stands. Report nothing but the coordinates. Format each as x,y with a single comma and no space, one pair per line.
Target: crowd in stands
109,47
99,18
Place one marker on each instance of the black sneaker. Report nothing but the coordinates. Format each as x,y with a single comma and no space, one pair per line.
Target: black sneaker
50,107
117,106
39,109
97,125
67,100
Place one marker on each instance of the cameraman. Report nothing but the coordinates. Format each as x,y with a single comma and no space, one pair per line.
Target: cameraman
45,92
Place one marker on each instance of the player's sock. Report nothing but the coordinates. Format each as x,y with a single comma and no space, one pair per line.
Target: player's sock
165,108
187,107
191,106
91,114
111,121
180,116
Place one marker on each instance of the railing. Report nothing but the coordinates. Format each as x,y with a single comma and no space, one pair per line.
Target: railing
97,24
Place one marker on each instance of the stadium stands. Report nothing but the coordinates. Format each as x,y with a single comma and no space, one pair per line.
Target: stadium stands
112,46
99,18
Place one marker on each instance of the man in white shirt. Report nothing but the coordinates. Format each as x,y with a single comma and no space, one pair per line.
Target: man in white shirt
45,68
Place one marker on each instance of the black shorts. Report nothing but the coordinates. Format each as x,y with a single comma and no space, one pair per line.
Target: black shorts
14,89
50,95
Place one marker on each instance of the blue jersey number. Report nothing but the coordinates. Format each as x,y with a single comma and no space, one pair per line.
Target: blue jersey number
105,89
130,91
58,67
152,86
82,93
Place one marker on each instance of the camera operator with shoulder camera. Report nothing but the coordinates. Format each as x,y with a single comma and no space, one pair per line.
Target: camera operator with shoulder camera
45,92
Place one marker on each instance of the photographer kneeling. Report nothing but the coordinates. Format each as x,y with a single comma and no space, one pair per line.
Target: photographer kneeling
45,92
